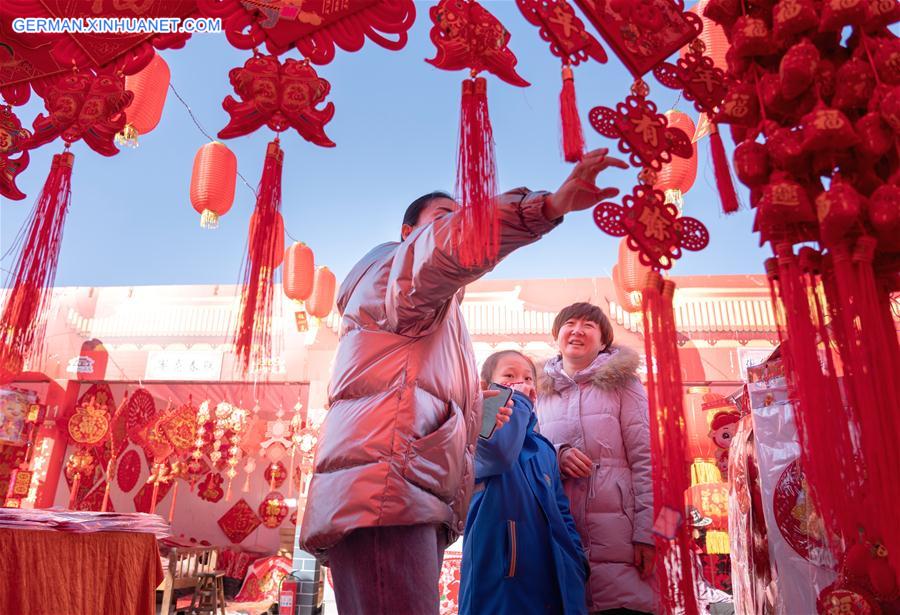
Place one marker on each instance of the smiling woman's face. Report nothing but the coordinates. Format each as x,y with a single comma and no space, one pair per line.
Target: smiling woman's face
579,339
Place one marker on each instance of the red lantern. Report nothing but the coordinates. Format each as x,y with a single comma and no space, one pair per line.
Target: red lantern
675,178
713,37
629,301
299,270
150,87
699,444
278,253
212,182
322,298
632,273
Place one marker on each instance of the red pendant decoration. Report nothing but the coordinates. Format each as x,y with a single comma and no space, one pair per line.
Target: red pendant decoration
82,105
642,34
314,27
641,131
253,337
149,86
211,488
273,510
280,96
12,139
653,227
570,42
275,474
239,522
25,309
468,36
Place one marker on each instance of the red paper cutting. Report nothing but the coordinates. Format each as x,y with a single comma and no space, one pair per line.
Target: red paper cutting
643,33
239,522
280,96
128,470
468,36
699,79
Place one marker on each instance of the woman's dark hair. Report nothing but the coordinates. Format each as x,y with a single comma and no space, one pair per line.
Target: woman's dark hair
490,364
589,312
414,211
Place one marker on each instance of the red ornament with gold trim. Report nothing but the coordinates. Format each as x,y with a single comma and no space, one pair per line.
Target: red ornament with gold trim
89,425
273,510
750,37
827,129
280,96
642,131
275,474
697,76
838,600
791,17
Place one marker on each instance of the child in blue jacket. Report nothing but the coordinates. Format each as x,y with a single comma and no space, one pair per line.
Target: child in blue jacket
521,551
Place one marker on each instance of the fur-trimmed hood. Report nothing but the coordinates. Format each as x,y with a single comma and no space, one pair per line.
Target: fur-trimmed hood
610,370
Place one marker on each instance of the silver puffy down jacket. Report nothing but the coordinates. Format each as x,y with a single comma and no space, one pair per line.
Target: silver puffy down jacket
398,445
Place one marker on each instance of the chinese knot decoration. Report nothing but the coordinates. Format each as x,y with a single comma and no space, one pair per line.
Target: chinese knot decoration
280,96
89,424
641,130
653,227
468,36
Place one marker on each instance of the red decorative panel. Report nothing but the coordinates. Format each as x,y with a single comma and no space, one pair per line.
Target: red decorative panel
561,27
239,522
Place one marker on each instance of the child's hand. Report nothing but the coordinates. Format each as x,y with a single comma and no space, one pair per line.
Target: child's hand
574,464
505,411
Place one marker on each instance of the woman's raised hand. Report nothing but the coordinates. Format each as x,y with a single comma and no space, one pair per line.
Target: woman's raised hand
580,189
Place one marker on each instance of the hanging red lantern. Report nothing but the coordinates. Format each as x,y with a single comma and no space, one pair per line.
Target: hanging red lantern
699,444
713,37
629,301
322,299
299,271
212,182
149,86
632,272
675,178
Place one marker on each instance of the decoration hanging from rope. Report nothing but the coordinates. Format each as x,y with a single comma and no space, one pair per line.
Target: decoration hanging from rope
281,96
213,180
569,41
468,36
822,107
149,87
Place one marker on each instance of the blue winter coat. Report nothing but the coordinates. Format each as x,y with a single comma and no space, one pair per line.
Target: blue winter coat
521,551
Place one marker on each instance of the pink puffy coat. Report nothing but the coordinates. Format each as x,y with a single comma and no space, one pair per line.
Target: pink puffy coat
603,412
398,445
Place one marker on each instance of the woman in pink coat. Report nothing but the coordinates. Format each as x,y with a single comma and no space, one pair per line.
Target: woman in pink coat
593,408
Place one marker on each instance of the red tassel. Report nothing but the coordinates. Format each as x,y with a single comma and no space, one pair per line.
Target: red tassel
668,445
24,315
724,183
253,339
870,372
478,237
825,426
572,136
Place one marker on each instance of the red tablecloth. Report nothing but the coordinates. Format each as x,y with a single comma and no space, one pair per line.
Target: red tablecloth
64,573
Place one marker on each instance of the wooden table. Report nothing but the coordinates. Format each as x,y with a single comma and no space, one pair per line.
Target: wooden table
46,572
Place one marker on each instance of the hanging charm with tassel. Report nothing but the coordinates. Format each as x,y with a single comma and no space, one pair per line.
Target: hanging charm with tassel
468,36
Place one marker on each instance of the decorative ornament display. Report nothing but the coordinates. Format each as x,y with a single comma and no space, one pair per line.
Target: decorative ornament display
89,424
239,522
273,510
128,471
642,34
275,474
569,41
82,105
280,96
12,140
468,36
210,489
642,132
213,180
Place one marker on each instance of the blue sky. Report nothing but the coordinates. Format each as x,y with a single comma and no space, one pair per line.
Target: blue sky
131,221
